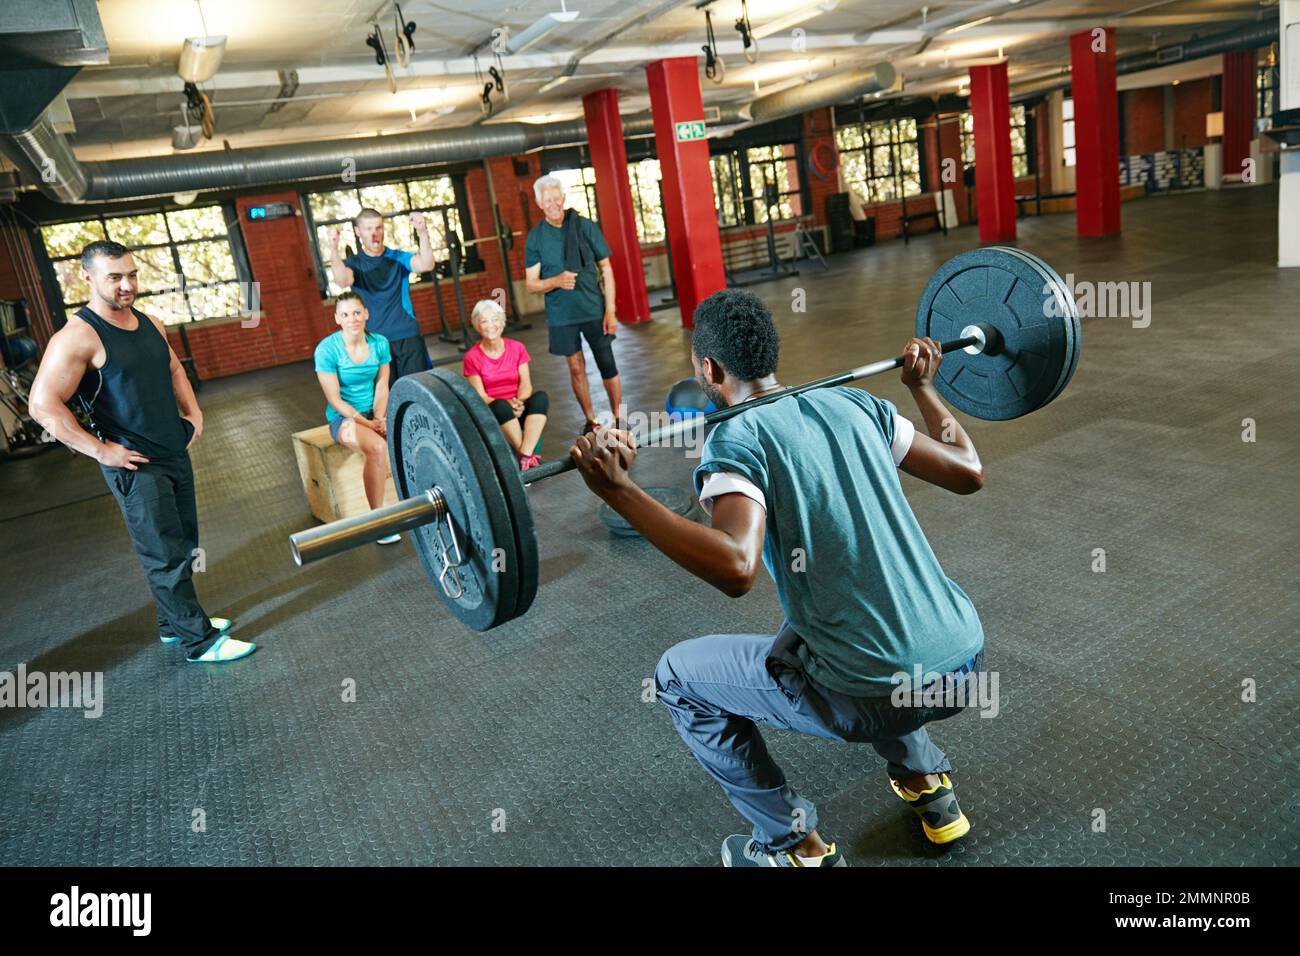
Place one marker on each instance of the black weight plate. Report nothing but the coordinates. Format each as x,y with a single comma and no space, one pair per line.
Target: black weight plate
507,467
674,499
433,441
1022,299
1068,309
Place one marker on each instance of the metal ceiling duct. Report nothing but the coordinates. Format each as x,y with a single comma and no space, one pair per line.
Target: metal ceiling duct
47,161
1247,38
844,88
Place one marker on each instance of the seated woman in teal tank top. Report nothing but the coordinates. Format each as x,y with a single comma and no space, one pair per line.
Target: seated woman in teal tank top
353,366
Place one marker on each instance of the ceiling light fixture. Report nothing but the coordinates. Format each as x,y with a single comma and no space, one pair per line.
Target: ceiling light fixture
542,26
966,26
201,55
794,18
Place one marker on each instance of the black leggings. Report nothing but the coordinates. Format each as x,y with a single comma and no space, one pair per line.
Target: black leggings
535,404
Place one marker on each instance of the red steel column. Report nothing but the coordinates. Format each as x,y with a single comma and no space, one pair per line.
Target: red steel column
1096,132
614,196
995,186
1238,109
690,213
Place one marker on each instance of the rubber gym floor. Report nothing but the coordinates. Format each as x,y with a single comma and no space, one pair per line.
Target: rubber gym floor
1122,735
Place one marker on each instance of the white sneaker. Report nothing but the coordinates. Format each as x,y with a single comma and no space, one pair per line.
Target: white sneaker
222,624
391,539
225,650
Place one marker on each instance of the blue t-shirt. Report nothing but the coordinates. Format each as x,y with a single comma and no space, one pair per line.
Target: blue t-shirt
384,284
356,380
856,578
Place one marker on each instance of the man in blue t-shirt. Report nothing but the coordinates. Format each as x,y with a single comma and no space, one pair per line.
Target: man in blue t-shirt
808,484
381,276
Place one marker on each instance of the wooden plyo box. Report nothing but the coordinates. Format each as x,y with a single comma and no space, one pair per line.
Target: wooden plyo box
331,476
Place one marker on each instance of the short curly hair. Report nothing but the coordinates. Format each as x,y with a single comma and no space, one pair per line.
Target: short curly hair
734,328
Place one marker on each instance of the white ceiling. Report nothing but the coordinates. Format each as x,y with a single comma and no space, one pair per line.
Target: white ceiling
128,107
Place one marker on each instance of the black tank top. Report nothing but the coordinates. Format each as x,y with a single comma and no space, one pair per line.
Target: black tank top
130,400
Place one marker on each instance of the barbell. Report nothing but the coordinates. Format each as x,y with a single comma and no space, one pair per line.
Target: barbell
1007,319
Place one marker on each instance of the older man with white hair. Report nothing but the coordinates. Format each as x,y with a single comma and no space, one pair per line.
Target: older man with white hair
567,261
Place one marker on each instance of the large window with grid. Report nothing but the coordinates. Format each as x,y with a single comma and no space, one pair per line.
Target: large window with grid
726,188
1266,84
774,166
184,258
1019,141
647,202
1067,131
880,161
435,197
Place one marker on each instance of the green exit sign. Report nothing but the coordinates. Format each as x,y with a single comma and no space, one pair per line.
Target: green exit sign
690,130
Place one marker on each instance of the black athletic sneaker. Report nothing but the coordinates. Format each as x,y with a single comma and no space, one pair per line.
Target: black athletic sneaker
742,850
588,428
941,818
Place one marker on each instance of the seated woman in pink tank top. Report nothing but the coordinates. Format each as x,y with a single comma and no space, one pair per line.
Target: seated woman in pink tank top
497,367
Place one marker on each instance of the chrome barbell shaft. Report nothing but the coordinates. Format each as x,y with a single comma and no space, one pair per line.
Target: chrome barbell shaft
337,536
979,337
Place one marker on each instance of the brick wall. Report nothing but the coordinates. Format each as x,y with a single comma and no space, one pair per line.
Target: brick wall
515,197
819,146
949,140
1192,101
10,288
1144,121
1043,135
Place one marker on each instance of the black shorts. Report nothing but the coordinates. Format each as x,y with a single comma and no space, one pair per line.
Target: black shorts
565,341
409,355
535,404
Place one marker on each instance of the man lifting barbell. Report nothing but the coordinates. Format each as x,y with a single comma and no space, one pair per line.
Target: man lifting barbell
1010,327
808,484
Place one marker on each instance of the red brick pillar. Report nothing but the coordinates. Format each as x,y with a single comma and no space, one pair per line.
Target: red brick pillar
617,214
690,211
1096,132
995,186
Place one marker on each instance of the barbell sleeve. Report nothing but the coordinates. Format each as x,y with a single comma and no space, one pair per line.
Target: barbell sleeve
346,533
983,338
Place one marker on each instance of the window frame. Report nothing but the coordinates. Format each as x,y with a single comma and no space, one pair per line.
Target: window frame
1266,89
1069,154
896,174
233,237
1028,133
730,159
638,200
749,164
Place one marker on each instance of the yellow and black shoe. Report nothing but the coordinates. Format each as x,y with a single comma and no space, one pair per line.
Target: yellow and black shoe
941,818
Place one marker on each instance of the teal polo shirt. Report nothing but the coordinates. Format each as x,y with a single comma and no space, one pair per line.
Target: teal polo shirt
855,575
584,302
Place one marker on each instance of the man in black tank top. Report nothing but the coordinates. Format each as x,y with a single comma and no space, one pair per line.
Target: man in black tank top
117,363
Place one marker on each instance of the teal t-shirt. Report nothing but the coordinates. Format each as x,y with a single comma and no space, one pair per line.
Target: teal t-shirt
856,577
356,380
584,302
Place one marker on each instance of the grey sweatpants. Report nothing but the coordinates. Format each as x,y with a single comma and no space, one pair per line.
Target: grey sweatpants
720,689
